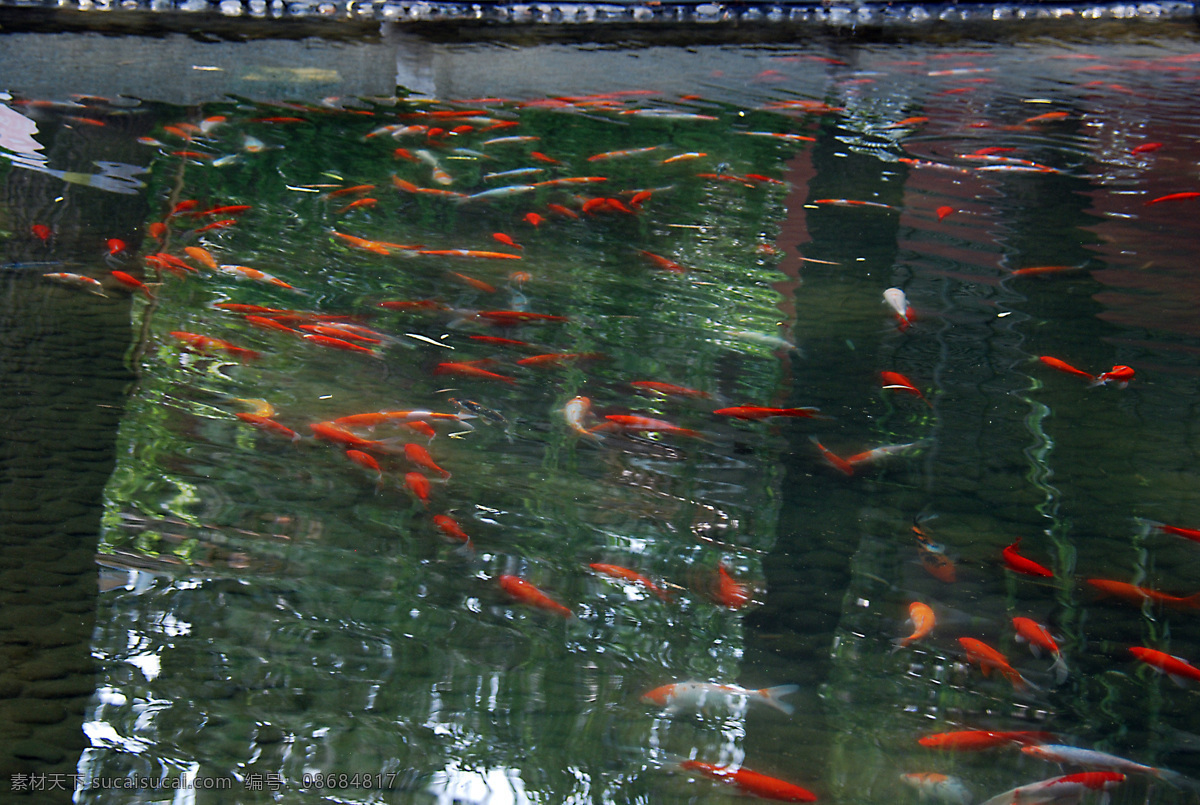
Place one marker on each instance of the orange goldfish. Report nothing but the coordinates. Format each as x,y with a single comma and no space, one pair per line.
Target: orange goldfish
1039,640
922,618
1139,595
752,782
527,593
269,425
988,659
418,484
420,456
618,572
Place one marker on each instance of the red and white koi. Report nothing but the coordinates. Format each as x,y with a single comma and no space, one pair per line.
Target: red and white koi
708,696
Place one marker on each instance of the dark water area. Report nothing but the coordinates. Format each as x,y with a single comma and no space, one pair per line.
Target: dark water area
205,593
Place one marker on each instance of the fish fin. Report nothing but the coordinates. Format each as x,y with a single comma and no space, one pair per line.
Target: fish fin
899,643
1178,680
771,696
1061,672
1034,649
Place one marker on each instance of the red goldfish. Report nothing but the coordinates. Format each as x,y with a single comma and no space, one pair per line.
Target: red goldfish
1178,669
729,592
756,412
669,389
1118,375
132,283
922,618
469,369
527,593
418,484
631,422
833,459
975,740
1020,564
988,659
450,527
1063,366
204,344
1039,640
1179,531
420,456
269,425
1139,595
618,572
895,380
751,782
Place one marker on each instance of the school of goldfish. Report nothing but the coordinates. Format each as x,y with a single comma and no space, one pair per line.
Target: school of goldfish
257,322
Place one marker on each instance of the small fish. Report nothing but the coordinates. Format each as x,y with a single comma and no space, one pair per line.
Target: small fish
923,620
943,211
204,344
729,592
501,192
791,138
1192,534
533,219
941,787
664,263
527,593
215,225
751,782
898,302
559,210
1039,640
632,422
450,527
511,317
1063,366
895,380
256,275
1145,148
702,696
466,369
1048,116
332,342
1074,756
132,283
477,284
471,253
1020,564
266,423
202,256
976,740
757,413
506,240
1140,595
418,484
1068,788
625,152
1038,270
420,456
669,389
683,157
367,462
41,232
833,459
358,203
575,412
883,451
1177,668
849,202
988,659
77,281
1119,376
624,573
555,359
1173,197
115,246
470,408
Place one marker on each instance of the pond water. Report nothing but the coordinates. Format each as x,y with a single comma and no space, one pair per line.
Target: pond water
556,287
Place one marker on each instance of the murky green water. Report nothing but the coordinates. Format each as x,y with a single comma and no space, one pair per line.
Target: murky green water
279,619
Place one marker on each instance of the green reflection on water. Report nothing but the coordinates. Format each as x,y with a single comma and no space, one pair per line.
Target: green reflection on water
307,623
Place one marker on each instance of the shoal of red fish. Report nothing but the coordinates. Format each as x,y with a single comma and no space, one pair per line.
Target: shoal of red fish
395,448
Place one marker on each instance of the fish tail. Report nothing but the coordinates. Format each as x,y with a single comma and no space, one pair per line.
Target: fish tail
771,696
1061,672
899,643
1191,601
